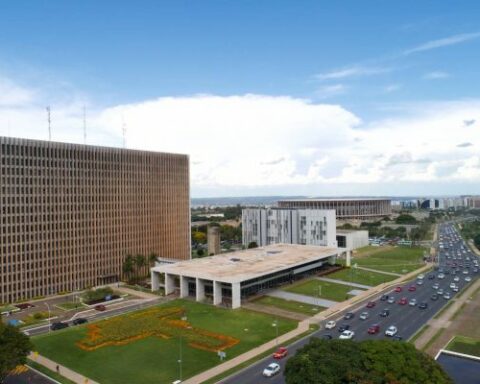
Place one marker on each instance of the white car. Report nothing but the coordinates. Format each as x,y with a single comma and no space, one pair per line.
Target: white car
452,285
468,278
465,272
330,325
441,276
456,279
364,316
421,276
391,331
455,289
271,370
347,335
412,302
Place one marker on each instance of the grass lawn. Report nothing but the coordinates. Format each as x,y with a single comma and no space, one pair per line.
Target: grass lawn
67,306
49,373
393,259
329,291
289,305
465,345
7,308
360,276
155,360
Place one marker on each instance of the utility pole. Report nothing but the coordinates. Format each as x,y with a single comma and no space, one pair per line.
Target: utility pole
49,120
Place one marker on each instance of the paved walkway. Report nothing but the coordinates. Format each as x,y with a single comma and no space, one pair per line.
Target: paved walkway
377,271
64,371
200,378
133,292
343,282
271,310
302,298
444,320
355,292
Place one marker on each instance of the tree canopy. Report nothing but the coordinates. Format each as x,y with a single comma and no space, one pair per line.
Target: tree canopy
14,348
366,362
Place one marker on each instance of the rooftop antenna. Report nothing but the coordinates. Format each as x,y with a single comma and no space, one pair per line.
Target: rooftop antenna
124,132
49,124
84,125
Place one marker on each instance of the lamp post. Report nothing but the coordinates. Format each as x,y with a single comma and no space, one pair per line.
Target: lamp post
180,359
49,316
275,324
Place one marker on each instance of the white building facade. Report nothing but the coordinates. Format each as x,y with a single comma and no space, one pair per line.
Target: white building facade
266,226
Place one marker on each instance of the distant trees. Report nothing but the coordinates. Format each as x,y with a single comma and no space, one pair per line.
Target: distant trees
14,349
133,267
405,219
367,362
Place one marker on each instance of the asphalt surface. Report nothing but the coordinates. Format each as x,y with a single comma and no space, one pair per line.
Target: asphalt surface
408,319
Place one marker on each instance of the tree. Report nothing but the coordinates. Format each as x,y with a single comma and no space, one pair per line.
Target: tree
14,349
252,244
140,262
200,252
372,361
152,257
128,266
405,219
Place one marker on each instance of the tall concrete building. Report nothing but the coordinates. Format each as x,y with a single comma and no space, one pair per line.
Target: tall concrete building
213,240
71,213
266,226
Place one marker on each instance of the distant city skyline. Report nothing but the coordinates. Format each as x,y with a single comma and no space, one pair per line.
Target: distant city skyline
268,98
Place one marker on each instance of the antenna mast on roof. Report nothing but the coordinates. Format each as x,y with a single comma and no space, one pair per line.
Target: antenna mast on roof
49,120
84,125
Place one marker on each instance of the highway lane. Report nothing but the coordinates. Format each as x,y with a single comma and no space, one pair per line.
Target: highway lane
406,318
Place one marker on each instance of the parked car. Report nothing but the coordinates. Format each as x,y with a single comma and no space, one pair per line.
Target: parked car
271,370
58,325
391,331
347,335
330,324
80,320
373,329
100,307
280,353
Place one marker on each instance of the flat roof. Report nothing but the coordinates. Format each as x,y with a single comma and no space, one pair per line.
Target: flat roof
248,264
340,199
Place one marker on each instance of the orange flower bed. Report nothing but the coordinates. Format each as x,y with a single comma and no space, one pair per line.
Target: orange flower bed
158,322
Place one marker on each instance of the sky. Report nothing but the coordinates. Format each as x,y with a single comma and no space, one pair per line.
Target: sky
271,97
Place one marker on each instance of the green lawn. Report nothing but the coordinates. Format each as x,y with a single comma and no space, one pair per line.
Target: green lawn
7,308
67,306
360,276
289,305
465,345
393,259
329,291
155,360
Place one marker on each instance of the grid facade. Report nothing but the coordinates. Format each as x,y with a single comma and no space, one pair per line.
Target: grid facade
361,209
71,213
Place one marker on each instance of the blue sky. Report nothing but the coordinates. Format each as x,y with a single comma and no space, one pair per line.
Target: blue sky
385,65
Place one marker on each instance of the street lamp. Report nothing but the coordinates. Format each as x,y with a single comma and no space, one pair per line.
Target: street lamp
49,316
275,324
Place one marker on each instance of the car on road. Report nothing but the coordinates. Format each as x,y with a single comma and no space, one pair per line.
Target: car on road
330,324
412,288
465,272
327,336
398,289
475,270
468,279
391,331
423,305
436,286
384,298
452,285
347,335
371,304
447,296
455,289
271,370
412,302
349,315
403,301
385,313
343,327
58,325
431,276
441,276
391,300
364,316
421,276
100,307
280,353
397,338
80,320
419,282
456,279
373,329
440,291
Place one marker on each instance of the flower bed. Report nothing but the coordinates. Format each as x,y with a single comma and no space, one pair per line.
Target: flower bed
159,322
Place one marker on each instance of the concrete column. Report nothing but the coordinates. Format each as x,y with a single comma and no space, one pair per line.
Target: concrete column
200,291
236,297
183,287
332,259
217,293
155,276
348,260
169,284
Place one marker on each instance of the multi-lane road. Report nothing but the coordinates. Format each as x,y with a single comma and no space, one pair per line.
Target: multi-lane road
455,259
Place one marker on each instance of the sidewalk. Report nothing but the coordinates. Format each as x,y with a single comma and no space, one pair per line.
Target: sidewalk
133,292
270,310
302,298
377,271
302,327
64,371
445,319
343,282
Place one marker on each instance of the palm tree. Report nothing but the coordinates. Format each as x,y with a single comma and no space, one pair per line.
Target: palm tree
127,267
152,258
140,262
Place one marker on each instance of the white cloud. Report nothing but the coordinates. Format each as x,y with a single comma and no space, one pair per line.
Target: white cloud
331,90
436,75
392,88
451,40
244,143
354,71
12,94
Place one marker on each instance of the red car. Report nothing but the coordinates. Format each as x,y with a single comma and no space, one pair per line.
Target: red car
412,288
398,289
100,307
403,301
371,304
281,353
373,329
